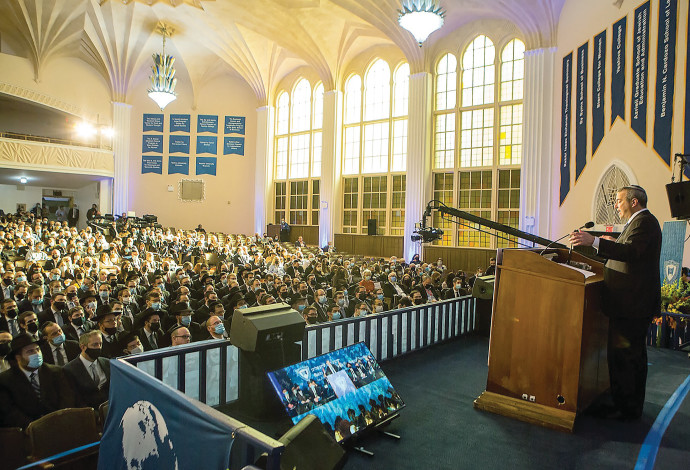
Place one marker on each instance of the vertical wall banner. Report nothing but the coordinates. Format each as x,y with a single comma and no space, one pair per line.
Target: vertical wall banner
152,164
206,166
638,114
581,100
672,245
207,144
178,144
234,125
179,122
153,122
565,126
207,123
665,78
598,90
620,29
152,144
233,145
178,165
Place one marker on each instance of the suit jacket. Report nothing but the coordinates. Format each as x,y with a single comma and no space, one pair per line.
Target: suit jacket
87,392
47,315
5,326
632,286
71,348
26,306
143,337
19,404
71,332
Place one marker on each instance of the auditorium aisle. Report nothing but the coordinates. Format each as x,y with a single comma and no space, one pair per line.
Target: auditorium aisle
441,429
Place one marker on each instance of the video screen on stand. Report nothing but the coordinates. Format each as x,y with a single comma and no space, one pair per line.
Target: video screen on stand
345,389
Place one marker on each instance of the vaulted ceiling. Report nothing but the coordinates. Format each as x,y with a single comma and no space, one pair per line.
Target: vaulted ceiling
260,41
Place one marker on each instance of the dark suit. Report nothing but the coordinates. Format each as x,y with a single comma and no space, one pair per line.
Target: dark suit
73,217
19,404
143,337
71,332
631,296
5,326
71,348
48,315
87,392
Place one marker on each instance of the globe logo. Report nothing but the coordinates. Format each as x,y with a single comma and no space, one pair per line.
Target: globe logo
146,443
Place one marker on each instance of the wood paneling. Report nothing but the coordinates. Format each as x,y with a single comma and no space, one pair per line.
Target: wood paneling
375,245
455,258
309,233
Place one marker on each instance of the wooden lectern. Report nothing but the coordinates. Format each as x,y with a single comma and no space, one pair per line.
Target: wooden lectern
547,351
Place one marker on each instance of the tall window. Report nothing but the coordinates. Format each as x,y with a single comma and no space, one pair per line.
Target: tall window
478,138
375,149
299,124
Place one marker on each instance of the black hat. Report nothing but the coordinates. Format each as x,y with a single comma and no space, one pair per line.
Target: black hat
179,308
102,311
20,341
83,295
127,338
143,316
205,277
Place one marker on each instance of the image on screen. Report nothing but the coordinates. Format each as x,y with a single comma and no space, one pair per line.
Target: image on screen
346,389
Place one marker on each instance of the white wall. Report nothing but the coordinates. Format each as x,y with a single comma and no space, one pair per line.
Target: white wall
10,196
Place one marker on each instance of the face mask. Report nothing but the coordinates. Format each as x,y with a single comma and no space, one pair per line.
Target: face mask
345,293
92,306
132,290
12,313
155,327
32,327
110,330
94,353
418,301
301,307
156,305
379,296
341,302
367,278
378,308
60,305
79,321
219,329
58,340
7,281
311,320
104,295
20,279
244,306
458,286
186,320
393,278
36,360
322,299
55,277
137,350
36,301
5,349
337,316
362,313
19,296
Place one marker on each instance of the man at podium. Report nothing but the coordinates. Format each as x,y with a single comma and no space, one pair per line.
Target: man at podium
631,296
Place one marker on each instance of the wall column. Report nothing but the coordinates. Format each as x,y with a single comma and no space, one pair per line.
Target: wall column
536,177
330,194
105,192
263,174
418,191
122,117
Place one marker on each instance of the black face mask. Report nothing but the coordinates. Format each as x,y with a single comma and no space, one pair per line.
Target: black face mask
111,330
94,353
5,349
311,320
19,296
155,327
12,313
32,327
79,321
7,281
60,305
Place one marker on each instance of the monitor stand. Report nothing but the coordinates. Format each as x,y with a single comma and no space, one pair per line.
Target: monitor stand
379,427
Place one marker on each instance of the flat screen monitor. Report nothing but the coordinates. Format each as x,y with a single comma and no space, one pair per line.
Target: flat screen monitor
345,389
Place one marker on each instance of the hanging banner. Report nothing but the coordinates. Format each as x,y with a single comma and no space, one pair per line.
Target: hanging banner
178,144
207,144
672,246
233,145
151,164
178,165
206,166
638,114
151,425
565,126
598,90
179,122
618,70
234,125
152,144
581,100
153,122
665,78
207,123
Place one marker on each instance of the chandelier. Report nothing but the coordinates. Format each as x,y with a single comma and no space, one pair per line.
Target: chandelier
163,80
421,18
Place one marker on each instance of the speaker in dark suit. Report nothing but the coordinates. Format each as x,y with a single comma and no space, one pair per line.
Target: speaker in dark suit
631,296
88,393
21,401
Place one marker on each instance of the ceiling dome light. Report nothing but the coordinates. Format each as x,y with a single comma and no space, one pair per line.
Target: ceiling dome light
23,180
163,80
421,18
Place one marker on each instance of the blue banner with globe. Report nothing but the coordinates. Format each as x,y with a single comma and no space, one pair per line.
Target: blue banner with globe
152,426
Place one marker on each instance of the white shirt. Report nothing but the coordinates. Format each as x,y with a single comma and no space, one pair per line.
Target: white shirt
59,350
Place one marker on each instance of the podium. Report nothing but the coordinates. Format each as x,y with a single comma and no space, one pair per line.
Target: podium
547,349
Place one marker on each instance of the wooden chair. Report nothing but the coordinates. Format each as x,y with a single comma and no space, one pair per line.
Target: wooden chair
103,412
12,448
62,430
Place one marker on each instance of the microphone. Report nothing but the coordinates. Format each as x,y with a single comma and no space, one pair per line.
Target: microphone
589,224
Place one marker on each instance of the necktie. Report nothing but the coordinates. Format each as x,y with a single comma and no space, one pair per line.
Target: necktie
34,383
94,374
58,353
152,340
13,327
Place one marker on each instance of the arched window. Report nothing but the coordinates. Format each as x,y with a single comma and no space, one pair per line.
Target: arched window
301,106
317,135
353,100
446,82
283,111
377,89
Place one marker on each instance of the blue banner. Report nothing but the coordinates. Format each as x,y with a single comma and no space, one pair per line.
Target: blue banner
150,425
178,144
153,122
672,245
178,165
151,164
207,144
207,123
638,114
152,144
598,90
206,166
179,122
565,126
665,78
234,125
581,100
618,70
233,145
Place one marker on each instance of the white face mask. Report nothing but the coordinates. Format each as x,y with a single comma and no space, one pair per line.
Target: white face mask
137,350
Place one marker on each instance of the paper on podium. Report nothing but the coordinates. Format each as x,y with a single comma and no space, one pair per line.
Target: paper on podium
583,271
